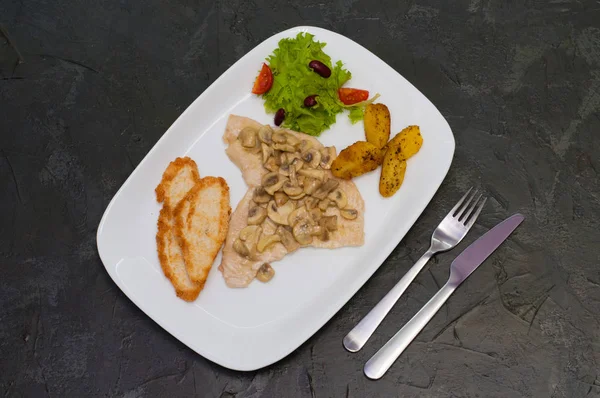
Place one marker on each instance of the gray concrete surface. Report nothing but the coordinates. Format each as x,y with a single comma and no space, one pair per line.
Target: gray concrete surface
87,88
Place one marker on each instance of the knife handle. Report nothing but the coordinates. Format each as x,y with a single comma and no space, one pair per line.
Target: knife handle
358,336
387,355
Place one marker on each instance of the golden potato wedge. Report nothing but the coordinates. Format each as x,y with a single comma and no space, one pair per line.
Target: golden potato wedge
410,141
377,124
392,171
358,159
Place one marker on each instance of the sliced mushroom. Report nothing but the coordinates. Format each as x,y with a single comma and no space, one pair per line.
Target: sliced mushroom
281,158
260,195
338,197
298,197
292,190
247,232
300,202
277,156
329,223
293,177
272,182
269,227
280,198
327,157
315,230
287,239
284,147
248,137
269,179
310,184
249,237
293,140
317,174
291,156
265,134
303,232
323,190
271,164
279,137
305,145
298,215
324,204
280,214
267,240
241,248
316,214
256,215
265,273
323,234
349,214
274,188
298,164
284,169
312,157
311,202
267,152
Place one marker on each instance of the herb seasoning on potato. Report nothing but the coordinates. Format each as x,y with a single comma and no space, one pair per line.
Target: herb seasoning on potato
358,159
392,171
410,141
400,148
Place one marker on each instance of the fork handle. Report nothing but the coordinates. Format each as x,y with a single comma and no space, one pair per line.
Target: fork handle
387,355
358,336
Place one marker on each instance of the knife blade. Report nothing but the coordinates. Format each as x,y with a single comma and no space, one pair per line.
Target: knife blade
460,269
474,255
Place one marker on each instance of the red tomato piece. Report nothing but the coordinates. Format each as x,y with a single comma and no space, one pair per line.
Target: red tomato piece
351,96
263,81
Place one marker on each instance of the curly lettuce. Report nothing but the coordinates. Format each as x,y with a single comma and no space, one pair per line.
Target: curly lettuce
293,81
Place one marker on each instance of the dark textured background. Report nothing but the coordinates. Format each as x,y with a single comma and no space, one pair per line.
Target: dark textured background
88,87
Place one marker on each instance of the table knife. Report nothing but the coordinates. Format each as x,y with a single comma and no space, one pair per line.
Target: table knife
460,269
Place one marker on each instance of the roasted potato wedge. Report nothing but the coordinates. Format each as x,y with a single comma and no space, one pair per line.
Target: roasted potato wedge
392,171
410,141
358,159
377,124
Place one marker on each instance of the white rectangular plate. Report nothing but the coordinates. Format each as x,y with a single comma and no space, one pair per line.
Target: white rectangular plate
246,329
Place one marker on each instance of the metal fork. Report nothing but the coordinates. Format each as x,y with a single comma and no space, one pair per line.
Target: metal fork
447,235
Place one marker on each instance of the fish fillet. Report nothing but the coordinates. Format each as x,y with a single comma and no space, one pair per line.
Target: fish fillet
178,179
201,223
239,271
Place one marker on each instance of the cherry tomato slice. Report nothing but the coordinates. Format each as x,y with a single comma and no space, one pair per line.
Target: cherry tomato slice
263,81
351,96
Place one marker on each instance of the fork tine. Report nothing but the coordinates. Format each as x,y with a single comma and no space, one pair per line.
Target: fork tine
476,214
468,211
466,206
455,208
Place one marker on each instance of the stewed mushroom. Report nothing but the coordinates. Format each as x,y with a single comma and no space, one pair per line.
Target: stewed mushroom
292,206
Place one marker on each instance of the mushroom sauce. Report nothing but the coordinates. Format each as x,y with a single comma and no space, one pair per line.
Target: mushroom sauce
294,194
293,200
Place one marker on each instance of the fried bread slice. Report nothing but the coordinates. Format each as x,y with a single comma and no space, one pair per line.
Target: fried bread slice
178,179
170,255
201,224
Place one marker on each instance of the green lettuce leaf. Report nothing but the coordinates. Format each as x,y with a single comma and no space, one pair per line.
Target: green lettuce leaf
293,81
